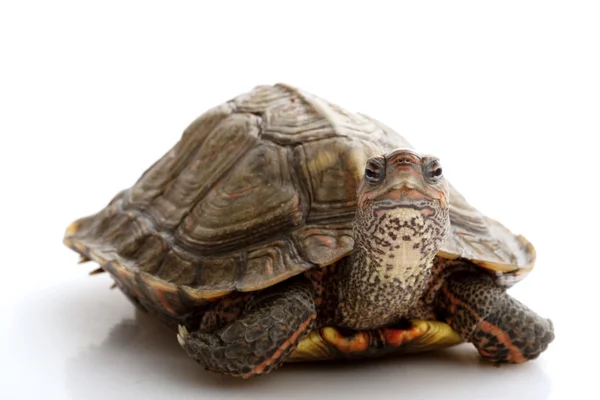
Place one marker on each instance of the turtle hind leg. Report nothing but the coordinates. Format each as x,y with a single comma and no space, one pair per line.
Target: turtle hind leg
502,329
269,329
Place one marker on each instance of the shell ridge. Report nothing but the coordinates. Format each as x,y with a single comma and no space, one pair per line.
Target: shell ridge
204,192
319,106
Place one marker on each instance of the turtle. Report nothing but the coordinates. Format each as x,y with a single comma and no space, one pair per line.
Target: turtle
284,228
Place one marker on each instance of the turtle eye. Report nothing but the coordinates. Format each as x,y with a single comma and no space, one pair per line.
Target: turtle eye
433,171
374,172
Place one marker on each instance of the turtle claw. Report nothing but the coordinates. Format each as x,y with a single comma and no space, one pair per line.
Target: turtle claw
83,259
183,332
97,271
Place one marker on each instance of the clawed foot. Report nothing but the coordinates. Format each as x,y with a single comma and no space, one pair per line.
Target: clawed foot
502,329
521,342
205,348
260,340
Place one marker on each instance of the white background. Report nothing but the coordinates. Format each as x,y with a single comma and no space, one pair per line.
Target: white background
506,93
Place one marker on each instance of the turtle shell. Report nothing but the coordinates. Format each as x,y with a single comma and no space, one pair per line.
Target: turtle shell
257,190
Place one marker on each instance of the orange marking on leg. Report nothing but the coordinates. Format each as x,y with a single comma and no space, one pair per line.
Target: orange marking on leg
454,302
486,353
292,339
515,355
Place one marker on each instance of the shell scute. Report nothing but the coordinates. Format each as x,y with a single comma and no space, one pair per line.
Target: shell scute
221,151
177,270
268,264
219,274
324,244
151,250
331,170
254,202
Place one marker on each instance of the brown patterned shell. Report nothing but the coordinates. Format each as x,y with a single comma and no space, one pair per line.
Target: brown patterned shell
259,189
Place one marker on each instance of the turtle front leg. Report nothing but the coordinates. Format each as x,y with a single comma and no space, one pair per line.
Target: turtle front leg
502,329
269,329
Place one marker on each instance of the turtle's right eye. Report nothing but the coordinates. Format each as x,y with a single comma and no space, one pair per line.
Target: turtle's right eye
374,172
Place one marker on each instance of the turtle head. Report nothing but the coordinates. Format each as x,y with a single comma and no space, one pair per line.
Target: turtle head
402,221
403,205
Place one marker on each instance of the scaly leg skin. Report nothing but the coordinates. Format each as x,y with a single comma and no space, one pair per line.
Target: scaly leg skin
268,330
502,329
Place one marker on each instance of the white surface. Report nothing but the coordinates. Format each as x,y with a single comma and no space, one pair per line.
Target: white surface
90,96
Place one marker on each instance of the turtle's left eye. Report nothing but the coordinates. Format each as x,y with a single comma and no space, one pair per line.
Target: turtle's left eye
433,171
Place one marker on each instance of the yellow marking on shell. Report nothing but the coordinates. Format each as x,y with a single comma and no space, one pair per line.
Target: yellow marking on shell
322,161
200,294
72,229
312,347
531,253
157,283
80,248
266,283
433,335
354,157
448,256
497,267
357,160
436,335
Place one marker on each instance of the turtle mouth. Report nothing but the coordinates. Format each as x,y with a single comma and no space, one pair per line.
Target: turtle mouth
405,193
406,197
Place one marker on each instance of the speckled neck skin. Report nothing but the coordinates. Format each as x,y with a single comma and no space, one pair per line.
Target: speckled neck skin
398,231
386,276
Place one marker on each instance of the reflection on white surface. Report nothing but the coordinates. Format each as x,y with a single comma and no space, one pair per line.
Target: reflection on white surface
83,341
